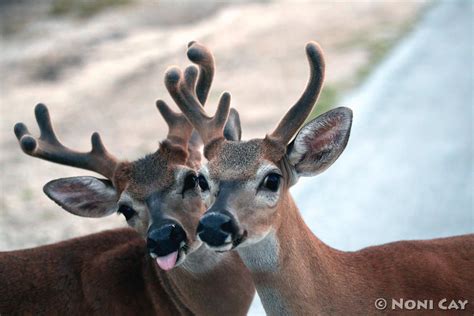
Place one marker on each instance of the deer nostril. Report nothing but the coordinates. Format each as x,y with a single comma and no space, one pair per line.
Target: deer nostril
228,227
177,234
151,244
163,233
216,227
166,239
215,221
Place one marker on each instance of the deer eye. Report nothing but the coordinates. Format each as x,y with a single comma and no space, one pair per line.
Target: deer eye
189,182
127,211
271,182
203,183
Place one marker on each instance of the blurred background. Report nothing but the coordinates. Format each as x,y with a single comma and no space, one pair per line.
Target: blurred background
404,67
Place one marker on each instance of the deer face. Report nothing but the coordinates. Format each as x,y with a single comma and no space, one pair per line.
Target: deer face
244,189
247,182
157,195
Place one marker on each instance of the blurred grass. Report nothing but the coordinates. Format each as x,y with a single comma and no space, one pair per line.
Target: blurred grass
377,50
83,8
379,47
27,194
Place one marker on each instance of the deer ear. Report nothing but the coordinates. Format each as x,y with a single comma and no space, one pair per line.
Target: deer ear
320,142
83,196
232,129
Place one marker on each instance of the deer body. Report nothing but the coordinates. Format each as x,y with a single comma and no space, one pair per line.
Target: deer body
111,273
297,274
250,210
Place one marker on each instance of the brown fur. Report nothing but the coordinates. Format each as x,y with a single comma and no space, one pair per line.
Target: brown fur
230,157
314,279
294,272
111,273
154,172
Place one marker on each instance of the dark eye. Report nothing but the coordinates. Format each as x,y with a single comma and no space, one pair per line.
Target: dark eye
189,182
127,211
272,182
203,183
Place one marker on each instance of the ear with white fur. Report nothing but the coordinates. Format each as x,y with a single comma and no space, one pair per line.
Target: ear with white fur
320,142
83,196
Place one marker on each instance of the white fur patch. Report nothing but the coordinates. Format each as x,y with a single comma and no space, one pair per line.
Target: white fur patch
299,146
203,260
261,256
272,300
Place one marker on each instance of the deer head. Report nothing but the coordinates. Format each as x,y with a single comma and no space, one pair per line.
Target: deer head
247,182
158,194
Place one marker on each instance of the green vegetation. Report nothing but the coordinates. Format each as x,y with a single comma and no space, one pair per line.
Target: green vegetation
377,49
83,8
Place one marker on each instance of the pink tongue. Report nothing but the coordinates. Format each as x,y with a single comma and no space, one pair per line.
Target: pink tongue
167,262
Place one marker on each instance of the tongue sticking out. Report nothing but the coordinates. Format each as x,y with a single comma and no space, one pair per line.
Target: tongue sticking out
167,262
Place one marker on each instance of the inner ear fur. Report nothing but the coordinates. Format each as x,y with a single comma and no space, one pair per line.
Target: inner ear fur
320,142
83,196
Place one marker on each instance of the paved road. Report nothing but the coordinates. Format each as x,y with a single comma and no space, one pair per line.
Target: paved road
407,172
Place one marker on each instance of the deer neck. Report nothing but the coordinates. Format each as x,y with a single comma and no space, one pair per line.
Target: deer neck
293,271
208,283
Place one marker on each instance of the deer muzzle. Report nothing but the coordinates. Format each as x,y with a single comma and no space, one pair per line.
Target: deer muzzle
218,229
165,242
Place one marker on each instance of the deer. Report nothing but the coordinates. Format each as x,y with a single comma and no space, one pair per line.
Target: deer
250,211
154,267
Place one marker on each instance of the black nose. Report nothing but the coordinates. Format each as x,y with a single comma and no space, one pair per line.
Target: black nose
214,228
165,239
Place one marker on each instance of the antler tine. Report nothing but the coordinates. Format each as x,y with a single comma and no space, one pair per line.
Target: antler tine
179,129
202,57
209,128
298,113
49,148
190,75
